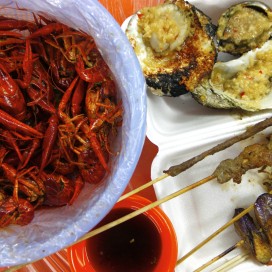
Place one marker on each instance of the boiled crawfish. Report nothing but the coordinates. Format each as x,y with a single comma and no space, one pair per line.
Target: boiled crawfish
58,114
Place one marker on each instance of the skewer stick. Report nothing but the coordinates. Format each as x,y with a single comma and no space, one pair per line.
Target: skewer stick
232,263
234,219
218,257
177,169
131,215
15,268
144,209
174,171
144,186
250,131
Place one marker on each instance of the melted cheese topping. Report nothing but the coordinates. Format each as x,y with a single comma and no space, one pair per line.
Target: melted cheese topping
246,25
252,82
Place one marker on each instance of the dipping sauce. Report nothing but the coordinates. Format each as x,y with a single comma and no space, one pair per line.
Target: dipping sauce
145,243
134,245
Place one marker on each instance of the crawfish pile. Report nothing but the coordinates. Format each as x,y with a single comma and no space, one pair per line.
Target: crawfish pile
58,112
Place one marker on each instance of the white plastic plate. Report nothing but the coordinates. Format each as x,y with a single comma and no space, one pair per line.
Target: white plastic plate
181,128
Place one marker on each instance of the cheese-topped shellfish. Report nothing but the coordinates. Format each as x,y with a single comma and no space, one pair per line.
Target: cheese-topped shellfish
245,82
175,47
243,27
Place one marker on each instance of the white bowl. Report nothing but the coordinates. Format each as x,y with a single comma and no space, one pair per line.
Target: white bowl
54,229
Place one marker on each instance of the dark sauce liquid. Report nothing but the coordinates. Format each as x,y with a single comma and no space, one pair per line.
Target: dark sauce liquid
134,245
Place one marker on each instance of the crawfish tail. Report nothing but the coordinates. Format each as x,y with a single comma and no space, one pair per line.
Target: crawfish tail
13,124
77,98
263,213
255,241
11,97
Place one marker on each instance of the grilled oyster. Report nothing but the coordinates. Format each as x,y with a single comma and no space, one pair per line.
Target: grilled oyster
245,82
243,27
174,44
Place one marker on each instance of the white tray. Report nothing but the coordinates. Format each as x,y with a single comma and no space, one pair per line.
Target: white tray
181,128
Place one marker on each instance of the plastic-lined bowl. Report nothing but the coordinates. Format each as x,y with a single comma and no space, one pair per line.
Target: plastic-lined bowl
54,229
146,242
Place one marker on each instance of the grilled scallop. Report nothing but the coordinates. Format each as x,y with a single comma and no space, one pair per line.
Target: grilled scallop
174,44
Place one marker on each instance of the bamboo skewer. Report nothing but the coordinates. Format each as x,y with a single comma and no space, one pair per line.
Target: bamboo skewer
229,223
144,186
232,263
177,169
131,215
144,209
250,131
218,257
240,243
15,268
174,171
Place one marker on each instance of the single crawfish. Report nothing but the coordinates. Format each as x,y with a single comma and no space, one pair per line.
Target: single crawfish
95,72
62,70
40,89
92,171
104,113
51,27
13,124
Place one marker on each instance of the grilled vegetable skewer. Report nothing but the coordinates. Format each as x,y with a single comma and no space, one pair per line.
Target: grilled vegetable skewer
263,214
225,226
255,240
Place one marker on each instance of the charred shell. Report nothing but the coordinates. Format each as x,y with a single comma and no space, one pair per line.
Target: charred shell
175,47
243,27
245,82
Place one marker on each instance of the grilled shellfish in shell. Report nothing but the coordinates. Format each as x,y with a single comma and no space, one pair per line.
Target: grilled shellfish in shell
243,27
245,82
175,47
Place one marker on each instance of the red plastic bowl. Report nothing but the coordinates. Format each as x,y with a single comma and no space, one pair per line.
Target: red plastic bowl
81,257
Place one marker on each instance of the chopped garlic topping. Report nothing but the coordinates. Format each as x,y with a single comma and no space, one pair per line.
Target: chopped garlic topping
164,27
252,79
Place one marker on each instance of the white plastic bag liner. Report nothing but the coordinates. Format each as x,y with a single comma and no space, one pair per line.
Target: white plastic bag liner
54,229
